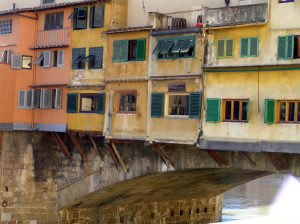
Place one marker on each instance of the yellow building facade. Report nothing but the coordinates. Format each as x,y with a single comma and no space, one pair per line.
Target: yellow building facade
86,98
251,82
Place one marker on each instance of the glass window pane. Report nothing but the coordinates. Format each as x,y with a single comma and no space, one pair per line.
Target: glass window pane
228,110
236,110
291,111
158,47
282,111
127,102
88,103
178,105
166,48
187,45
178,46
26,63
244,110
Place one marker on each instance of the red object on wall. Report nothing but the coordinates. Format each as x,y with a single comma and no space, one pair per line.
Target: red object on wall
199,24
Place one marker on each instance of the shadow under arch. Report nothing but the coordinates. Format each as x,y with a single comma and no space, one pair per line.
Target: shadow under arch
171,185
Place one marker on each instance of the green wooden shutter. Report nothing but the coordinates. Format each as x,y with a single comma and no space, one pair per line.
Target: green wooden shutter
81,18
101,103
141,50
117,50
281,48
157,105
253,46
229,48
125,46
72,101
248,104
97,52
290,47
213,110
195,105
269,111
244,47
221,48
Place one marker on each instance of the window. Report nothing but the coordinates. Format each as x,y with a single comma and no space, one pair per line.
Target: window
129,50
289,111
225,48
249,47
50,98
58,58
26,62
80,18
127,102
88,103
78,58
24,99
185,104
5,26
288,47
95,57
97,16
44,59
178,105
54,21
5,56
283,1
176,47
236,110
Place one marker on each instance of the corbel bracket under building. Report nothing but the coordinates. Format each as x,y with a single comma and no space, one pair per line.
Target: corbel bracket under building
162,153
217,157
117,157
77,144
57,138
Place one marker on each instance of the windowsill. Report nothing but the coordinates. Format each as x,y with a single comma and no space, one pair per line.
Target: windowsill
237,121
129,61
161,59
177,117
287,122
127,112
88,112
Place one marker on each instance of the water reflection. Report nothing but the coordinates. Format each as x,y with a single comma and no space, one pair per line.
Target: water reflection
252,199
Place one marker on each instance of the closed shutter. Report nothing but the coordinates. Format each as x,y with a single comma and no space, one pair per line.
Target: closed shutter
221,48
21,99
157,105
74,16
97,16
141,49
36,98
46,98
97,52
269,117
47,59
16,61
77,53
281,47
72,102
195,105
213,110
244,47
60,58
40,59
81,18
5,57
58,98
125,45
229,48
248,106
254,46
117,50
101,103
290,47
28,99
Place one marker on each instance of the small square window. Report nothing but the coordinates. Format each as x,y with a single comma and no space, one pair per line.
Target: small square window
26,62
236,110
88,103
127,102
54,21
179,105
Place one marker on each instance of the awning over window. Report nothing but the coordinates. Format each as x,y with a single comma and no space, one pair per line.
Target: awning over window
176,45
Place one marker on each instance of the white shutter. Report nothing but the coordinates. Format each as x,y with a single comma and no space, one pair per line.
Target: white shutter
28,99
60,58
16,61
47,59
39,59
46,98
58,98
36,98
21,99
5,56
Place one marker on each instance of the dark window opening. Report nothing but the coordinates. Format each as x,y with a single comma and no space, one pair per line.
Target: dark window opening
127,102
54,21
181,212
172,213
179,104
284,1
198,210
205,210
236,110
190,211
297,47
132,50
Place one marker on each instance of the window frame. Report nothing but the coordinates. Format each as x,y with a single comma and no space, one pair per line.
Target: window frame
232,110
122,50
6,29
167,104
118,102
82,95
277,111
249,47
225,47
54,13
175,40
